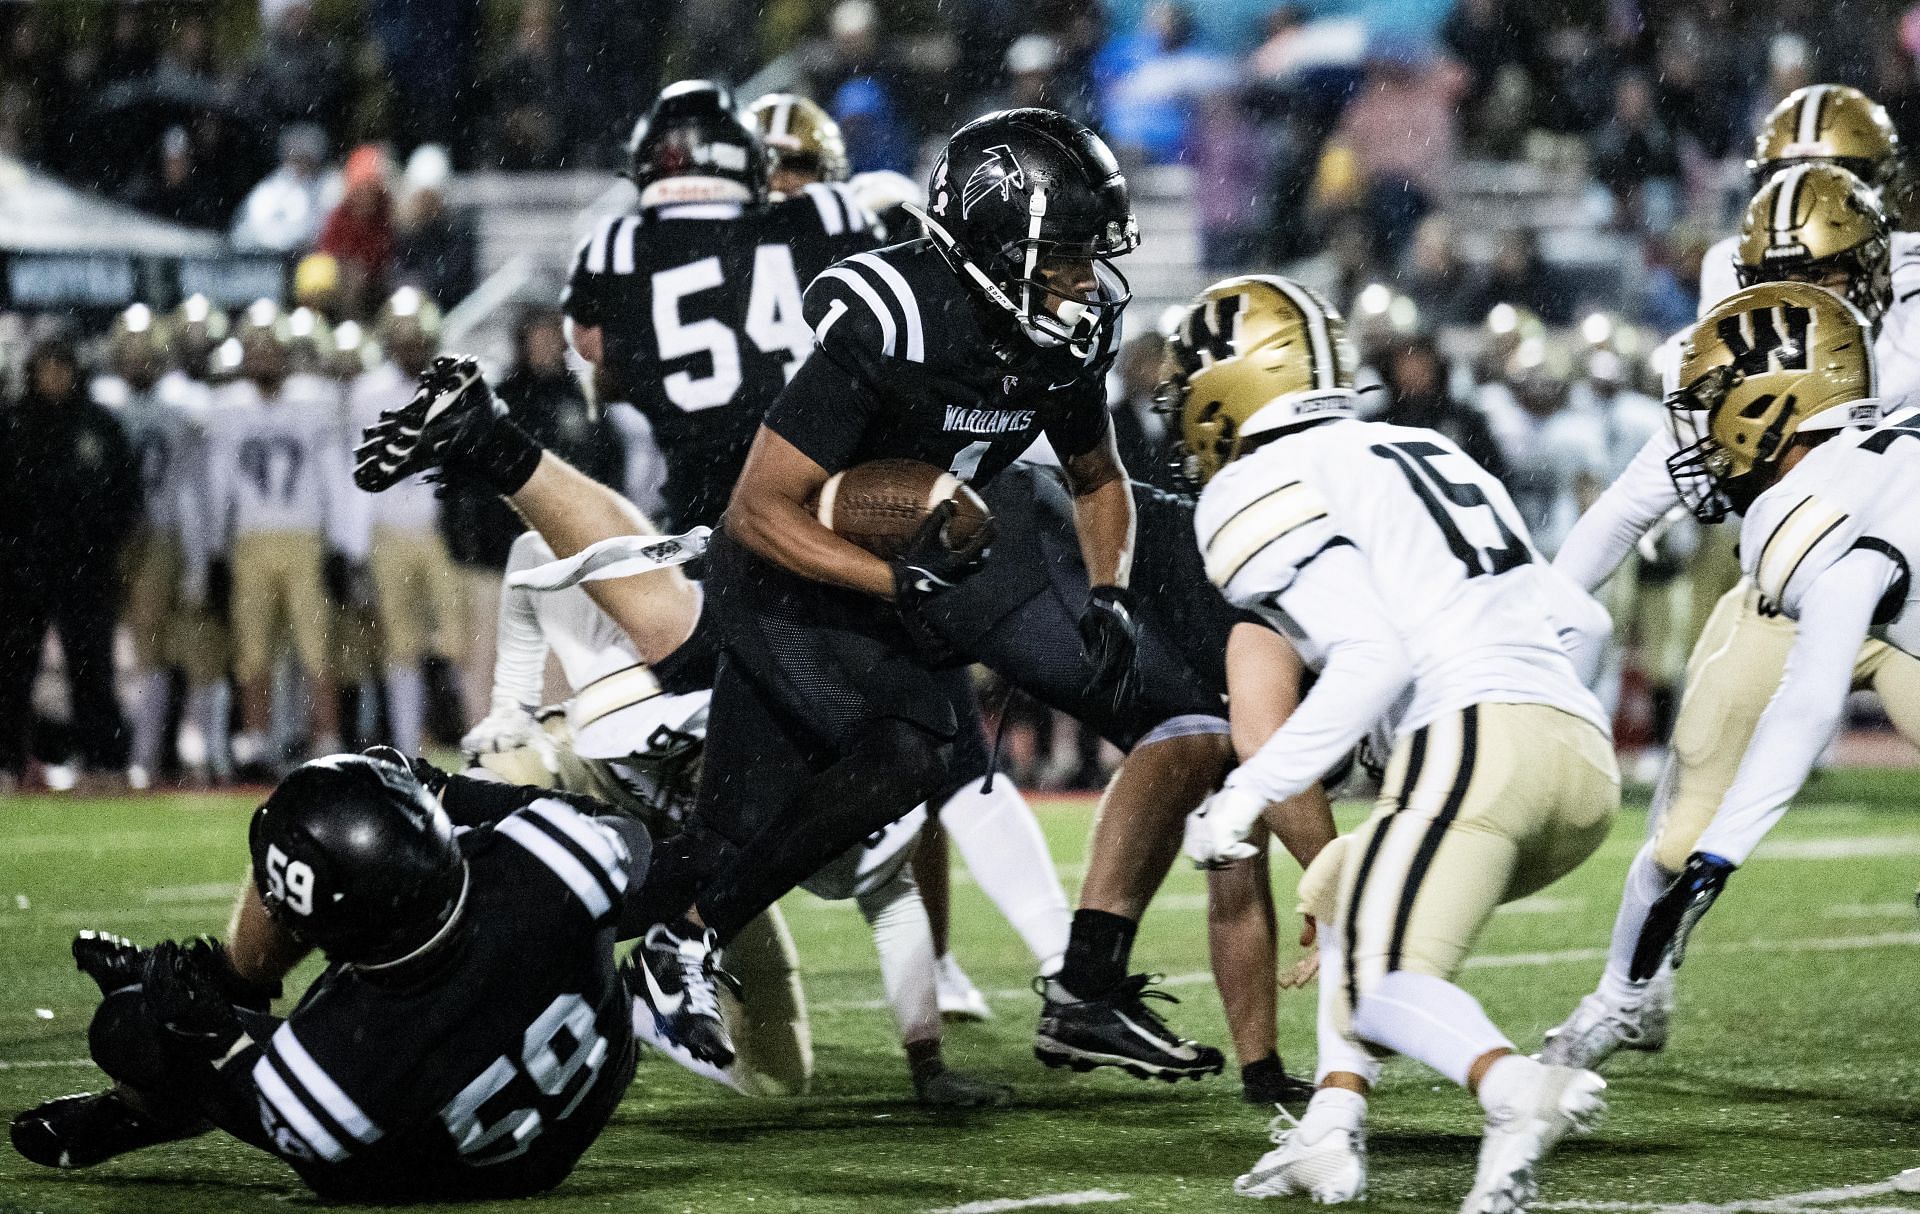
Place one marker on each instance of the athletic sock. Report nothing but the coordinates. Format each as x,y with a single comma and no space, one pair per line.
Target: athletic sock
1332,1109
504,459
1000,840
406,706
903,938
1338,1050
1098,950
1646,880
1506,1081
1429,1020
149,720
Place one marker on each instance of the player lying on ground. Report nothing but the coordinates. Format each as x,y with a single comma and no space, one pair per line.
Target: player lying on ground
469,932
876,690
1399,569
1787,436
1809,223
623,740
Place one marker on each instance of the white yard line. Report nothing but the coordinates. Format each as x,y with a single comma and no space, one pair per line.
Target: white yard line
1818,1201
1085,1197
1843,847
1495,961
46,1064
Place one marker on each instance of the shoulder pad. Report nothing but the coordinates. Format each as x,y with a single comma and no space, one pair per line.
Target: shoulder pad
1786,543
1256,533
865,304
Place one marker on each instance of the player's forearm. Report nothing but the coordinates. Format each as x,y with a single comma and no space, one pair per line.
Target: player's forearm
520,659
1104,521
1362,679
784,532
1804,712
1624,512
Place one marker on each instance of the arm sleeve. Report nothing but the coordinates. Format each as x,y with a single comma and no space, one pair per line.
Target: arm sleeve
1333,601
1806,709
520,658
1632,504
1082,425
825,409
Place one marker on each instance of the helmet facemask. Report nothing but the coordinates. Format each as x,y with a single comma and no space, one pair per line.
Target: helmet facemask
1702,470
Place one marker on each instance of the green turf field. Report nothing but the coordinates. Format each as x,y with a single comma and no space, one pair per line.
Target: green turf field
1795,1066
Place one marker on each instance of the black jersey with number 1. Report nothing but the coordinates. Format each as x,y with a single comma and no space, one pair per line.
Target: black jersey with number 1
700,314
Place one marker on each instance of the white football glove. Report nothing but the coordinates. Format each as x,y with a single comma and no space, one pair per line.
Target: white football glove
508,727
1217,831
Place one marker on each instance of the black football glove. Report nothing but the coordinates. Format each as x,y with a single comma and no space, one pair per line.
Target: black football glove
1111,640
1674,914
928,567
431,778
186,994
113,962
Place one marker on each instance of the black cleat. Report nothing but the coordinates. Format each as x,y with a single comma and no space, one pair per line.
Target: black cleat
675,978
449,416
113,962
945,1089
91,1127
1118,1029
1267,1086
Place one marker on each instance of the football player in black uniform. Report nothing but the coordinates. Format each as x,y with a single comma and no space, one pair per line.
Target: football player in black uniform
835,706
476,959
690,308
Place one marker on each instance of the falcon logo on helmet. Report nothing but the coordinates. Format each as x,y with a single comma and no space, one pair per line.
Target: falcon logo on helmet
999,171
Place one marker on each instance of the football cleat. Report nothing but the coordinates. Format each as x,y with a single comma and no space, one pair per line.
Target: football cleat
1118,1029
91,1127
1274,1088
1598,1028
676,978
449,416
1329,1170
113,962
1518,1136
959,998
946,1089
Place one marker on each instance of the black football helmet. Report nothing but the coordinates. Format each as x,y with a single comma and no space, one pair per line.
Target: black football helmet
692,147
1018,187
353,856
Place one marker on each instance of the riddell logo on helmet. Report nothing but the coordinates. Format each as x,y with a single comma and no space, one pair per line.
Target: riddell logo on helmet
999,171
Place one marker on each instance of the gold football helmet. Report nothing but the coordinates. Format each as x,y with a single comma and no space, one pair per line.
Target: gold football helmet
1768,363
1831,123
800,135
141,333
1818,223
1253,355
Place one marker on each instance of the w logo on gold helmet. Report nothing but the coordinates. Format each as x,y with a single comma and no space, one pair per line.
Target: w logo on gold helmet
1253,355
1769,363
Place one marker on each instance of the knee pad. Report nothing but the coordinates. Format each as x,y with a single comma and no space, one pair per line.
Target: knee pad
126,1043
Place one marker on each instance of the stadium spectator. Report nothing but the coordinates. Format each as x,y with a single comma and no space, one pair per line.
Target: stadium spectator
69,498
1415,377
436,248
283,213
179,190
522,88
1520,276
1150,80
1693,72
1229,171
358,232
298,73
1400,128
432,45
1435,277
1635,158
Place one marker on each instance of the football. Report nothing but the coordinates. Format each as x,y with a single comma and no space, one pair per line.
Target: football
881,504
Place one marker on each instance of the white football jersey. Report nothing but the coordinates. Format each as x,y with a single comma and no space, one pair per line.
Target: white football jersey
410,505
280,463
1853,491
1448,554
167,426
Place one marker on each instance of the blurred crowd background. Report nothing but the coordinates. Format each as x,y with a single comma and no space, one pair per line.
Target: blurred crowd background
1510,198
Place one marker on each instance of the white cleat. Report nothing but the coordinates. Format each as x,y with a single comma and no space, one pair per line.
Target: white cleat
1598,1029
959,998
1328,1171
1518,1136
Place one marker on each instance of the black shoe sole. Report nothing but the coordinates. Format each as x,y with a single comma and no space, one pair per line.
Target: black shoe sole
1054,1055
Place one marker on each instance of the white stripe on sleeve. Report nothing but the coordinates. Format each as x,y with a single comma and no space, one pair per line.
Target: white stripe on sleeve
583,883
872,299
336,1103
276,1095
909,304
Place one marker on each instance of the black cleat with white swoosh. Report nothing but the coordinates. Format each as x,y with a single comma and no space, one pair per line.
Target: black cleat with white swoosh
674,976
92,1127
450,415
1118,1029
